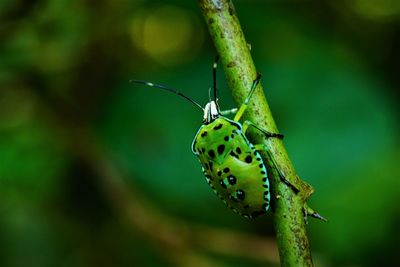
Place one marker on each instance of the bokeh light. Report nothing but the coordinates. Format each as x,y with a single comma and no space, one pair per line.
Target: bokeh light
168,34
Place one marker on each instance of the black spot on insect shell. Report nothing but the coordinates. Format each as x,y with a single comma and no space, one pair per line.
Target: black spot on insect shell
219,173
262,172
233,198
231,179
265,186
264,179
248,159
219,126
226,170
255,153
221,149
238,150
206,165
210,165
211,153
240,194
258,159
221,182
261,166
233,154
204,134
232,135
226,138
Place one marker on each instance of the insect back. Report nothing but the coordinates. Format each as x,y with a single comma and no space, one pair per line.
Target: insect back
231,164
233,167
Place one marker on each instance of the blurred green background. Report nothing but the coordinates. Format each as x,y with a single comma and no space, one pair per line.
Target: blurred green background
95,171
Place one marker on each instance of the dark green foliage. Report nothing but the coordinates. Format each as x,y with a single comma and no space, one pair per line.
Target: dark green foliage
331,75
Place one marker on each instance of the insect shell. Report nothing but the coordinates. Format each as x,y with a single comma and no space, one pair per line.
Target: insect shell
232,166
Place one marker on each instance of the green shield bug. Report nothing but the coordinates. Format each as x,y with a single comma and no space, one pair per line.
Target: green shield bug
231,164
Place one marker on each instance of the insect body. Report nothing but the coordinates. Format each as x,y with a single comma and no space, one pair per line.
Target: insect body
231,164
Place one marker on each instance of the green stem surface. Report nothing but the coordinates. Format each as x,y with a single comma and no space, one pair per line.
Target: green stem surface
288,204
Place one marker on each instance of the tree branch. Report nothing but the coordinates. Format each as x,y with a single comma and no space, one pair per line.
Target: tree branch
289,201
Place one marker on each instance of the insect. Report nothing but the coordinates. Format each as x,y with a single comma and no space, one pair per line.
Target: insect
232,165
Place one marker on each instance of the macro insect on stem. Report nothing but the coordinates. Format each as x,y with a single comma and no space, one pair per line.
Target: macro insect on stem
231,164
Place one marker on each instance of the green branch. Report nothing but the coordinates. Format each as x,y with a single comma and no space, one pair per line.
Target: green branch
289,199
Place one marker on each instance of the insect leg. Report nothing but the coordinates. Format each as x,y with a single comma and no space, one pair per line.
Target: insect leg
248,123
215,64
262,147
231,9
229,111
243,107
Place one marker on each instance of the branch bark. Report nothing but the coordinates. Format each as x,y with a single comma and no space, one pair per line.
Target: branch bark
289,201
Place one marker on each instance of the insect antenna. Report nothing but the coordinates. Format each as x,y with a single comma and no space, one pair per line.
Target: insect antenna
215,77
209,94
169,90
